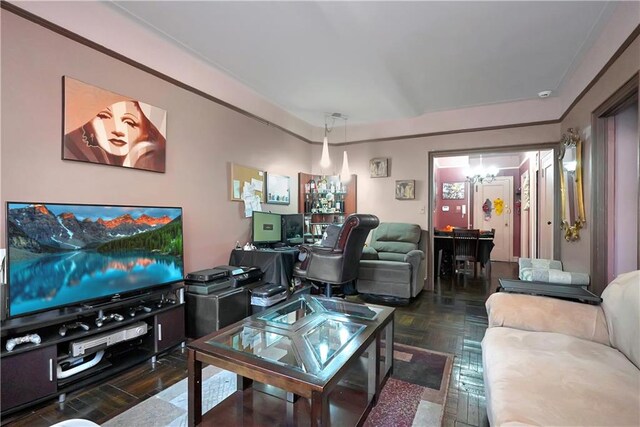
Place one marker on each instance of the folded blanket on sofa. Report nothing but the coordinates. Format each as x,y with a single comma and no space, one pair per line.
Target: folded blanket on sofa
554,276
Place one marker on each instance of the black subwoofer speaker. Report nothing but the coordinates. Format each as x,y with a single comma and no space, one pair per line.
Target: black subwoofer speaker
208,313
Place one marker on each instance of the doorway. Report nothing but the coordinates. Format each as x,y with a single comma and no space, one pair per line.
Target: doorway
615,186
514,181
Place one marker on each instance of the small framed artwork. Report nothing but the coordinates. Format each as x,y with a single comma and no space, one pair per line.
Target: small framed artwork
406,189
278,189
379,167
453,190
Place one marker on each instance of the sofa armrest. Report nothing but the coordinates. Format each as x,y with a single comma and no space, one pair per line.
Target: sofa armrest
416,259
369,253
543,314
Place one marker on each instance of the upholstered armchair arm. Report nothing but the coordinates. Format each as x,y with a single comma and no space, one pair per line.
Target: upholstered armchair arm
543,314
369,253
416,259
325,265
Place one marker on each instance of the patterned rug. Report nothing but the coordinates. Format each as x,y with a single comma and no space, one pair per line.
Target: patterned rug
414,395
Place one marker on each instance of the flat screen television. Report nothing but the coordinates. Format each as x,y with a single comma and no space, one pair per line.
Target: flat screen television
62,254
266,228
293,229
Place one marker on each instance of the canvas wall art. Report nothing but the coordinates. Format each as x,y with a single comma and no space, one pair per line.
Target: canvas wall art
379,168
453,190
406,189
111,129
278,189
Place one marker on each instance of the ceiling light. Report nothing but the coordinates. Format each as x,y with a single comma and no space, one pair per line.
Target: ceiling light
544,94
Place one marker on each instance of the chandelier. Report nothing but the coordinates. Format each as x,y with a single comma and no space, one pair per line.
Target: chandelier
480,175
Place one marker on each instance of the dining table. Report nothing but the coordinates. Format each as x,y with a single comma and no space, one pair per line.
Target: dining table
443,251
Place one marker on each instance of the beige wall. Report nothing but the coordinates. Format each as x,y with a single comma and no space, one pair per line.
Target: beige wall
409,160
576,255
202,138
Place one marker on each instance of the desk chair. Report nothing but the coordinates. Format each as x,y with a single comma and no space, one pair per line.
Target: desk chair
465,247
338,264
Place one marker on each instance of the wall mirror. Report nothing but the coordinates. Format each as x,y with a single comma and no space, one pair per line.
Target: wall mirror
572,202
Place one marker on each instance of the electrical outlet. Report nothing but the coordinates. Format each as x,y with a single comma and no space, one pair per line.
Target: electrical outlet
421,210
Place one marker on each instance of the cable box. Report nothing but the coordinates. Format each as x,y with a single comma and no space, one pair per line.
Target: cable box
208,275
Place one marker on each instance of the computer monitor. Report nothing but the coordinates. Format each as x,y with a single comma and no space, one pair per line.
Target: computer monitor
293,229
266,228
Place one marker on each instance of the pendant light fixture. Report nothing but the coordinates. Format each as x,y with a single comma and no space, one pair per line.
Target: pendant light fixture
325,160
345,173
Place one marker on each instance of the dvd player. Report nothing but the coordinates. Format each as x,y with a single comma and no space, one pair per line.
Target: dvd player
98,342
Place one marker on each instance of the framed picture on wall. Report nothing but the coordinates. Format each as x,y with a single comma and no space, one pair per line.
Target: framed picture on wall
453,190
111,129
278,189
379,167
406,189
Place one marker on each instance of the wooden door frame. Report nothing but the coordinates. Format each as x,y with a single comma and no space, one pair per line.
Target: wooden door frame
553,158
432,155
621,99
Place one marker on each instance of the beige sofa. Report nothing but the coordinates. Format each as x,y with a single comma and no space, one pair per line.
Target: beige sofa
552,362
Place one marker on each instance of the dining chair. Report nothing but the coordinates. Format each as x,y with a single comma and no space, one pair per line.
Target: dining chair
465,247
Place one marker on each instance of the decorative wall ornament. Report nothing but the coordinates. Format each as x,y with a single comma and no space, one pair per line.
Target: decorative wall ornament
379,167
278,189
572,201
103,127
406,189
526,195
453,190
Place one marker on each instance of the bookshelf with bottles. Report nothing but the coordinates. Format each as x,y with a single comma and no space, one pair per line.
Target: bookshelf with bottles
324,200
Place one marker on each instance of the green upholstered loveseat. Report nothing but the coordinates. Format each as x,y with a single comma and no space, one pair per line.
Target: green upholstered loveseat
393,265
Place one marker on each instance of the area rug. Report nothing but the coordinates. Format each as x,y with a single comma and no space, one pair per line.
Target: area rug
414,395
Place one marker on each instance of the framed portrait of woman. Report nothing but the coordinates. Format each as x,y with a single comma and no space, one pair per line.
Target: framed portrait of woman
111,129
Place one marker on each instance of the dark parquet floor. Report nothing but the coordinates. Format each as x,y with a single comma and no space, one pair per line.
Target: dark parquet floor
451,319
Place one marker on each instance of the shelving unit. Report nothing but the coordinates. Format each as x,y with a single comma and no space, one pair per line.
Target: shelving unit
324,200
29,372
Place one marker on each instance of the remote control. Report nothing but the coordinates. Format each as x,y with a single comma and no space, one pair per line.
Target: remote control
13,342
64,328
105,318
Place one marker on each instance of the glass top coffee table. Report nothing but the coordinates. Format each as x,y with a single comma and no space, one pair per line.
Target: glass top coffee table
334,354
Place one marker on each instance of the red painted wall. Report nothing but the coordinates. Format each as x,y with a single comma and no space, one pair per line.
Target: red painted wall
454,216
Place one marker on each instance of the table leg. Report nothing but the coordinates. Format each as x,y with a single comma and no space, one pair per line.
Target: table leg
243,383
194,389
374,369
319,409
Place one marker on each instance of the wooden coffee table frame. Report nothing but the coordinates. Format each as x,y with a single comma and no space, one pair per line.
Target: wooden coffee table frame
293,383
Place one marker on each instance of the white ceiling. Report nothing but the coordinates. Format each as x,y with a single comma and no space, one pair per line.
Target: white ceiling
376,61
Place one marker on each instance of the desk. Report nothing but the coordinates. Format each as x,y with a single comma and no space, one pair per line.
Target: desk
445,243
570,292
277,266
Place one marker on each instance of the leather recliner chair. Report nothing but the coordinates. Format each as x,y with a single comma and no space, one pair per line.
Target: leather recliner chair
338,264
392,268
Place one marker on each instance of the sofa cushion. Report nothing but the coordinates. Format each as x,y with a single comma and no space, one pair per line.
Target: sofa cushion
550,379
544,314
396,237
621,305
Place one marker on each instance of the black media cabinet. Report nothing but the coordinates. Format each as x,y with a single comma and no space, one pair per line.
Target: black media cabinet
29,372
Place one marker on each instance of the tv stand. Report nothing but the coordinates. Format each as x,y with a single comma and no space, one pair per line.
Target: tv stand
30,371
